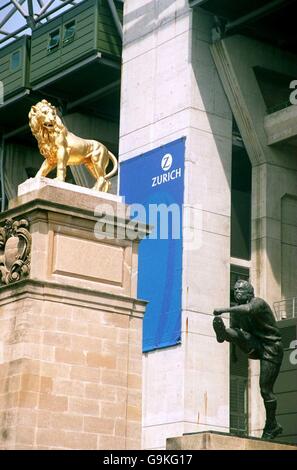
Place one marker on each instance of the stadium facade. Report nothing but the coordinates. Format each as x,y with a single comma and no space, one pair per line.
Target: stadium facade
213,85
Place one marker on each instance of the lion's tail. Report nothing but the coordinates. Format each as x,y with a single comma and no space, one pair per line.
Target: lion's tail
115,166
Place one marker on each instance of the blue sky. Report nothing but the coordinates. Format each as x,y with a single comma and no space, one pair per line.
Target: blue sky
17,20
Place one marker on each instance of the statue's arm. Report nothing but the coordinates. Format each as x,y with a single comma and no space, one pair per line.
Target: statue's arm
251,307
237,309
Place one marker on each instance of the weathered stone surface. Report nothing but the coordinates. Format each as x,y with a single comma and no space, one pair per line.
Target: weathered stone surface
221,441
79,238
70,334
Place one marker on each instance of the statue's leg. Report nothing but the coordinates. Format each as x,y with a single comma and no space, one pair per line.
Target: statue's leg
101,183
220,329
268,375
44,169
242,339
62,159
98,171
90,167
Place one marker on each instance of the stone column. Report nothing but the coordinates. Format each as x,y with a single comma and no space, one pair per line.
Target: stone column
274,247
170,89
71,331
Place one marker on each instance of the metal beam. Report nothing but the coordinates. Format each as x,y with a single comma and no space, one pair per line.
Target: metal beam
11,12
64,73
111,63
46,7
43,15
12,35
198,3
4,6
5,33
41,4
30,8
116,18
265,10
18,7
16,131
15,98
30,18
95,95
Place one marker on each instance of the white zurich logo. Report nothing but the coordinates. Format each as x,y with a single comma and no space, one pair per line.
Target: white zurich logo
166,162
167,176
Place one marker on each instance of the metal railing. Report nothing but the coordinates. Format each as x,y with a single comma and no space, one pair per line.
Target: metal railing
285,309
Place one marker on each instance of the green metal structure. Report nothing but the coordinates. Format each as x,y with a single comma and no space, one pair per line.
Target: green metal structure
72,58
80,46
14,67
75,35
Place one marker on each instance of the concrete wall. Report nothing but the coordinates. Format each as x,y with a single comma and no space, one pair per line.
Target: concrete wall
274,179
177,91
170,89
286,385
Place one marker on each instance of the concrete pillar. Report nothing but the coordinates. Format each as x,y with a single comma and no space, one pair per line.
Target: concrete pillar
170,89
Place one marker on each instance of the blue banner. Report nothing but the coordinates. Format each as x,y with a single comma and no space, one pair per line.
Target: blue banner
155,179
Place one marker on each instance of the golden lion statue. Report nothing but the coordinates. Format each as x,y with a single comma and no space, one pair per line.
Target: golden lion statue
60,147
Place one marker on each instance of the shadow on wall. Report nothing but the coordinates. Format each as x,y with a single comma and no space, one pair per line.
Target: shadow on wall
209,95
144,18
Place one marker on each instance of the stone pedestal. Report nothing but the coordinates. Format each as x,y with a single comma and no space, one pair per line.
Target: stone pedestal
221,441
71,331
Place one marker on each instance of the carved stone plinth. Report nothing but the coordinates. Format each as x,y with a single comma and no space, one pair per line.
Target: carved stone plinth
71,331
222,441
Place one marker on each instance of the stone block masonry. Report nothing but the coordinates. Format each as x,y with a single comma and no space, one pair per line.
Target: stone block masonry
70,351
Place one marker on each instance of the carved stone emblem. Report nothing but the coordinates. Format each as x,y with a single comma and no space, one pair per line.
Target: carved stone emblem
15,250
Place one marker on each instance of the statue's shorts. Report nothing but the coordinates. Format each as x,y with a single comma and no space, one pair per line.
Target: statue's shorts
260,349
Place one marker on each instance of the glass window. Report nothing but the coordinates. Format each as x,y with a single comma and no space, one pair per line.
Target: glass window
241,199
54,40
15,60
69,32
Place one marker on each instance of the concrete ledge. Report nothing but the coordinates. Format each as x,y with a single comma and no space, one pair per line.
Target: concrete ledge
35,184
82,297
282,126
221,441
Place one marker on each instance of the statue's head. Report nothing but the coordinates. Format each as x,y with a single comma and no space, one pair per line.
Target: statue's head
243,291
42,114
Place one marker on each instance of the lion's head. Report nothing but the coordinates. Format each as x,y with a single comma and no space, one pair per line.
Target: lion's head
43,115
45,124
